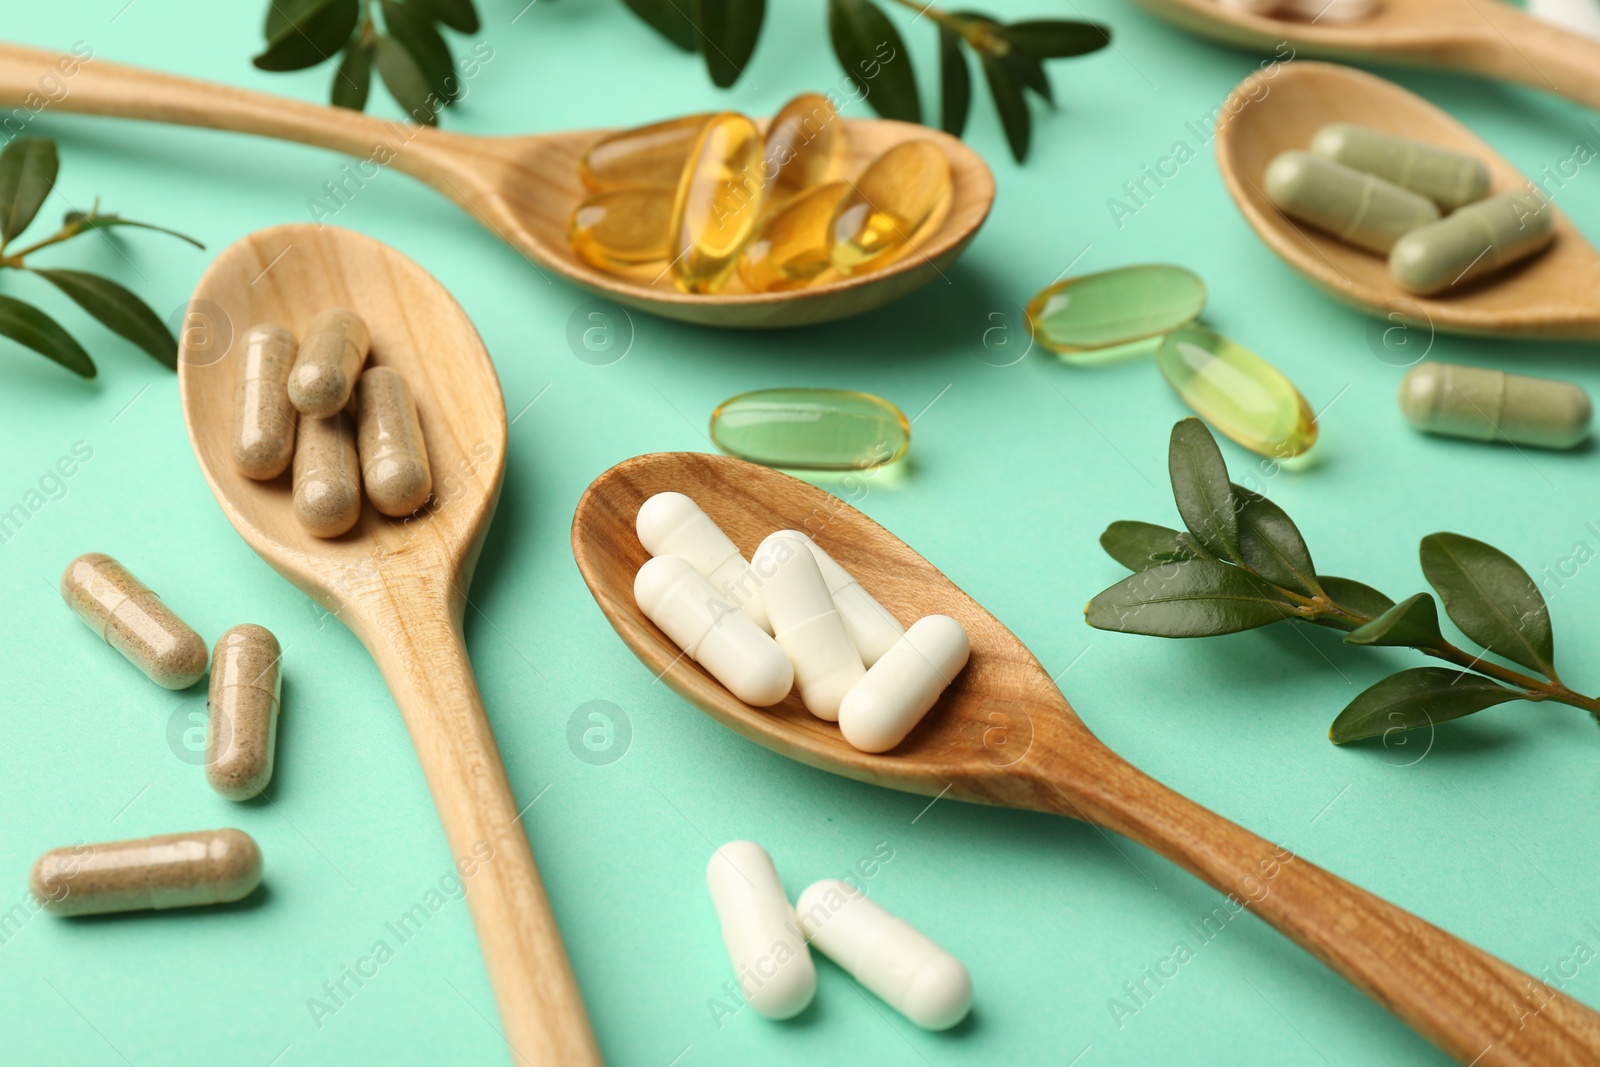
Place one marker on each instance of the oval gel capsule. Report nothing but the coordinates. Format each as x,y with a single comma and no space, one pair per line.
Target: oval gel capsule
882,708
263,417
671,524
766,946
133,620
1472,242
330,359
166,871
872,629
886,954
736,651
900,192
791,248
804,142
327,476
646,156
394,458
243,732
807,624
619,228
1483,405
1449,179
1354,206
718,202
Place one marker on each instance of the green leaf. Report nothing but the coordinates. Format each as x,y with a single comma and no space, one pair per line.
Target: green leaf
119,310
1191,598
27,174
1057,38
955,83
1141,545
1201,488
729,30
459,15
1412,623
1418,697
874,57
352,82
1029,70
1271,544
667,18
413,28
405,81
1352,596
1006,88
312,34
86,223
282,12
1491,598
29,326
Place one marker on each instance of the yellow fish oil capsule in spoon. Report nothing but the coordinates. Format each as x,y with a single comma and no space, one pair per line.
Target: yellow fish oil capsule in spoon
330,359
651,155
619,228
791,248
263,418
718,203
804,143
327,476
895,197
394,459
165,871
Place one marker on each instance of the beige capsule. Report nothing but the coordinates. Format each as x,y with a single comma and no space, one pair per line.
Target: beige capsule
263,417
246,682
327,476
165,871
394,457
133,620
330,360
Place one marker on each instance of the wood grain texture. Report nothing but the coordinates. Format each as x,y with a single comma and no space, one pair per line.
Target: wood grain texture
1004,734
523,189
400,585
1556,294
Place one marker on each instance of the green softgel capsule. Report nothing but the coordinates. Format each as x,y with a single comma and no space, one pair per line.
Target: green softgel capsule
1354,206
1476,240
811,429
1448,178
1485,405
1115,307
1237,392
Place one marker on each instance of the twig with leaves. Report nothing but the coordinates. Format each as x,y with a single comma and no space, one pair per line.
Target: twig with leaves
1241,564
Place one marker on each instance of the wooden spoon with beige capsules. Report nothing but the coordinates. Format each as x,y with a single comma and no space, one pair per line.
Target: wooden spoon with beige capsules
1552,295
400,586
522,189
1004,734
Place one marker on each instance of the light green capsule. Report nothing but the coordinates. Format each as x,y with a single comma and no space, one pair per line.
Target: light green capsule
1448,178
1237,392
811,429
1474,241
1356,207
1115,307
1481,404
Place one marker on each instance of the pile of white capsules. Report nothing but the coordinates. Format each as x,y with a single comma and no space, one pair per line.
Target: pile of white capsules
791,616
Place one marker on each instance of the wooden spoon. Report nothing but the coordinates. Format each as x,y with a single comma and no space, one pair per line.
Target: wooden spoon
401,587
1552,295
1003,734
523,189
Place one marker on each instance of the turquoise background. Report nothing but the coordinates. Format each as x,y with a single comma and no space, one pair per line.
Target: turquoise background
1486,829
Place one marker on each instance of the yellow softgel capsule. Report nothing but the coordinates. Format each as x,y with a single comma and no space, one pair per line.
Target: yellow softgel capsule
804,144
895,196
647,155
1237,392
791,248
718,202
621,227
811,429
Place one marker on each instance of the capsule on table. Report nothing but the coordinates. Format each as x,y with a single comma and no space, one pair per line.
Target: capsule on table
898,690
1360,208
791,247
771,962
1237,392
811,429
895,197
873,630
621,228
165,871
1476,240
717,204
736,652
330,359
888,955
133,620
394,457
242,736
1449,179
327,476
807,624
671,524
1483,404
651,155
263,417
1115,307
804,143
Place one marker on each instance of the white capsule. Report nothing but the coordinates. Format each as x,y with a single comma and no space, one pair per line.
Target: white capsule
736,651
671,524
768,951
886,954
869,623
899,689
807,625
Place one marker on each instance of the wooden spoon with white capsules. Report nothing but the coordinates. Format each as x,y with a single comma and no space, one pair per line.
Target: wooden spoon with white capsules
1004,734
522,189
400,585
1552,295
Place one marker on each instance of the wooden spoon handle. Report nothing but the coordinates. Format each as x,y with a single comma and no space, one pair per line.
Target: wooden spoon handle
1517,47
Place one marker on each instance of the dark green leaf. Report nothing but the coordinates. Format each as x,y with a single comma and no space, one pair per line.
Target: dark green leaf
459,15
29,326
1006,89
111,222
1418,697
412,27
282,12
1029,70
955,83
1191,598
1057,38
1141,545
353,80
313,33
1201,488
667,18
1491,598
728,31
406,81
119,310
1352,596
874,57
1271,544
1412,623
27,173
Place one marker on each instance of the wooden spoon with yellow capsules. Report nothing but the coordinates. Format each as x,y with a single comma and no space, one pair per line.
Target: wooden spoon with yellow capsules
522,189
1004,734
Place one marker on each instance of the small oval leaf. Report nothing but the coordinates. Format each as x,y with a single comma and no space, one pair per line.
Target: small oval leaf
119,310
1006,89
669,19
1421,696
1190,598
1412,623
316,32
1201,488
405,81
1354,596
352,81
874,57
85,223
28,169
459,15
955,83
729,30
1139,546
1057,38
1271,545
1492,599
413,27
29,326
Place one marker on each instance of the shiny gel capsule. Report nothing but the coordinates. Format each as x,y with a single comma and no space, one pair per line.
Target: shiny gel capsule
872,628
167,871
718,202
900,688
133,620
1354,206
263,417
807,624
804,143
766,946
1486,405
811,429
671,524
737,652
1449,179
888,955
791,248
621,228
1116,307
394,457
651,155
1474,241
327,476
242,736
329,361
898,194
1237,392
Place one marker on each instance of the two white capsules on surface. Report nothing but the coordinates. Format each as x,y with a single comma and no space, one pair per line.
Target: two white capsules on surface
767,941
791,616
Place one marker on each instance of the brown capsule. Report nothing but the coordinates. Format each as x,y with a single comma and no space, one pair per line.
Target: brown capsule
133,620
329,361
165,871
394,458
263,417
246,681
804,143
327,476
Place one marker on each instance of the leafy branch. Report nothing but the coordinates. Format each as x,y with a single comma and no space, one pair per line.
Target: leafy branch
28,169
1240,563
